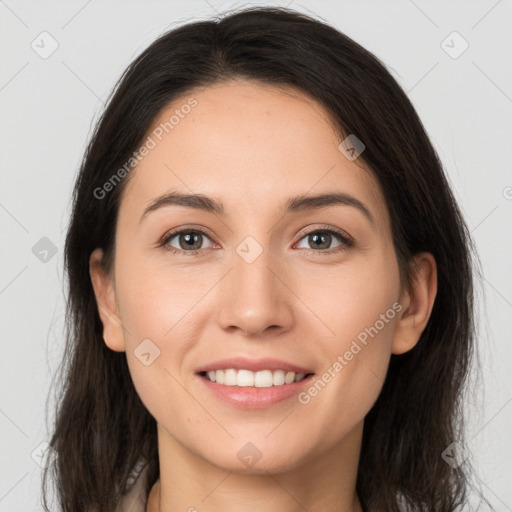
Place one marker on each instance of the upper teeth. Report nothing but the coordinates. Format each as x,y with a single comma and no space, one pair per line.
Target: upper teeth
261,379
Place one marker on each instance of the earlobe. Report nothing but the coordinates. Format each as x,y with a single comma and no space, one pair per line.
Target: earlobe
106,303
417,303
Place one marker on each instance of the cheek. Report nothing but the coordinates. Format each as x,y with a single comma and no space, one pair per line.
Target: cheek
350,299
155,309
351,381
360,311
152,297
364,327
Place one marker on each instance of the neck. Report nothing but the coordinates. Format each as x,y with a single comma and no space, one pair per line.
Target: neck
190,483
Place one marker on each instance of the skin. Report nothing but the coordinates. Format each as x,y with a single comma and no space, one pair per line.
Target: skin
253,146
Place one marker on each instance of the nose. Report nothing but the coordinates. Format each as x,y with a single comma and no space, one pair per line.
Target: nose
254,297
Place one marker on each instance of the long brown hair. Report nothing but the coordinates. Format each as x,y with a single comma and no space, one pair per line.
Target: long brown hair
102,429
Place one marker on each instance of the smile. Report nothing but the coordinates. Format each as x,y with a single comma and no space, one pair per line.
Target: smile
248,378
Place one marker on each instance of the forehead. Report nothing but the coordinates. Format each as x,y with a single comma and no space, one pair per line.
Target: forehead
252,145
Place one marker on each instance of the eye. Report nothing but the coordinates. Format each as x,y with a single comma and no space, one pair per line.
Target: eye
191,241
187,240
322,238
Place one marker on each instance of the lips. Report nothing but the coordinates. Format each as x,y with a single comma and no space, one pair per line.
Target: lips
254,397
274,381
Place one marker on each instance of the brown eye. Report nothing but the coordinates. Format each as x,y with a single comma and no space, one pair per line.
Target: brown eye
187,240
322,239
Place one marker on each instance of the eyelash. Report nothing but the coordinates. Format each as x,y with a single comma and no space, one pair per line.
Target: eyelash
346,242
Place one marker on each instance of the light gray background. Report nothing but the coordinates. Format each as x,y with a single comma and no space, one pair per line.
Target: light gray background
47,110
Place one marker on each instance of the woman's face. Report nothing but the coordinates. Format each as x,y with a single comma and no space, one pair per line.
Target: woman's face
263,285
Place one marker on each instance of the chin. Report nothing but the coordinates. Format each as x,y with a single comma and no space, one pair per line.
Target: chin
251,461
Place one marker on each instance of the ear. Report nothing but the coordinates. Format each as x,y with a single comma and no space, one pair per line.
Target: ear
417,302
103,285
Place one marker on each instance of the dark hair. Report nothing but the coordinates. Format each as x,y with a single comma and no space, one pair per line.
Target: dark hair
102,428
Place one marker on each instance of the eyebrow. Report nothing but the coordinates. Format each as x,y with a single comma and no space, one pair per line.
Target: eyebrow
293,205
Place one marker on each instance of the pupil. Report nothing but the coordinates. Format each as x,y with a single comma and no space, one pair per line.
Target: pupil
190,238
317,237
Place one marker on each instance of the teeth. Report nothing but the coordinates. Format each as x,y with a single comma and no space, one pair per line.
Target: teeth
230,378
278,378
246,378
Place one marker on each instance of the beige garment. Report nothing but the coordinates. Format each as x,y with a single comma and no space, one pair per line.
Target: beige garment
135,500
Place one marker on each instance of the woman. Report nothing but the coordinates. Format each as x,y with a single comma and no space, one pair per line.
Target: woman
270,285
